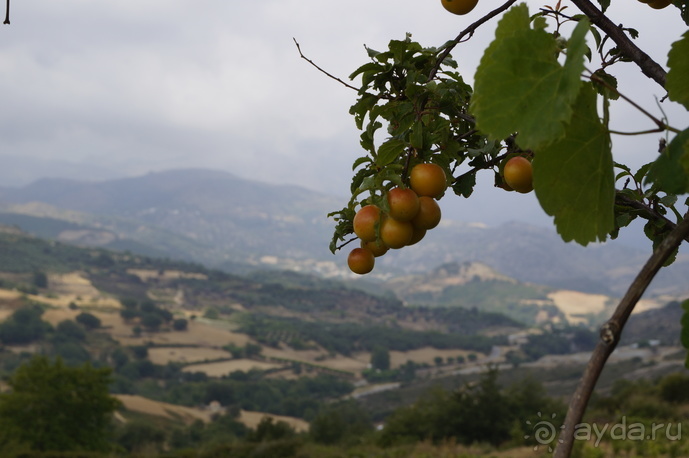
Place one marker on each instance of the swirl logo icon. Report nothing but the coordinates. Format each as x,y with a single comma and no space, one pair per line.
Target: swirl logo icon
543,431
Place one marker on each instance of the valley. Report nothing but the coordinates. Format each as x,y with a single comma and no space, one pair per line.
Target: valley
249,337
240,226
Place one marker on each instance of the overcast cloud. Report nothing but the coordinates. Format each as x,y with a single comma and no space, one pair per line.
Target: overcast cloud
114,88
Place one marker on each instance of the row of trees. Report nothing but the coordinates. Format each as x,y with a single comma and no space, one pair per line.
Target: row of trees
53,407
149,315
347,338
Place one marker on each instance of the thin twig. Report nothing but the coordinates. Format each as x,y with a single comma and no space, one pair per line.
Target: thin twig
546,11
610,334
320,69
648,66
468,31
490,164
661,125
7,13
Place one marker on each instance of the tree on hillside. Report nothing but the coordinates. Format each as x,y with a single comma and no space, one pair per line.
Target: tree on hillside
89,320
40,279
52,407
180,324
24,326
477,412
344,421
380,358
537,119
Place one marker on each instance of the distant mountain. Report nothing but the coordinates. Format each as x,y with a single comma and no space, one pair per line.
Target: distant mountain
664,324
474,285
538,255
222,218
228,222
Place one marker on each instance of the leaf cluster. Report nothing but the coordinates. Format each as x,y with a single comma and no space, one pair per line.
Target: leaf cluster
423,105
531,97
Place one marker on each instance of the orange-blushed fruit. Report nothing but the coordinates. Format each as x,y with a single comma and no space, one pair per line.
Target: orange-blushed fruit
404,204
416,237
459,6
360,261
365,222
376,247
395,234
518,174
428,180
429,214
659,4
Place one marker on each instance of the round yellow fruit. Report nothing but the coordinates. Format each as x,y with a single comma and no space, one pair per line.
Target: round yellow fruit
659,4
360,261
416,237
365,222
429,214
518,174
404,204
459,6
428,180
395,234
376,247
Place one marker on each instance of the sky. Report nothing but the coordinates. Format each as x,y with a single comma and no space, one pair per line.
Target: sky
119,88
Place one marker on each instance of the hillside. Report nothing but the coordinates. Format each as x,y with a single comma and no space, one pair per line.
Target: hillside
277,311
225,222
198,350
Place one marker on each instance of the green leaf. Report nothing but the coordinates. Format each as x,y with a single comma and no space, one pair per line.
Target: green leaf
358,179
359,161
370,66
641,173
608,85
371,52
677,83
464,185
574,178
604,4
389,151
521,87
623,219
670,172
416,135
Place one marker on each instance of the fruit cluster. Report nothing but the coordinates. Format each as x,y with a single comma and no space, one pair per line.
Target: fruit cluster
410,213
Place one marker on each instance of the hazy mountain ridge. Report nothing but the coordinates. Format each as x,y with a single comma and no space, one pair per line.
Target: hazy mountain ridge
221,220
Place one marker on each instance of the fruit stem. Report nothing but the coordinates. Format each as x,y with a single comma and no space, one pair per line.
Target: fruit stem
7,13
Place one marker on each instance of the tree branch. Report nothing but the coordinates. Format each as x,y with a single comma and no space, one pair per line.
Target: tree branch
648,66
449,46
320,69
610,334
647,212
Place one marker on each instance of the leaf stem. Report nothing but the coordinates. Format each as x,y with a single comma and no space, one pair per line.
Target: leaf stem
661,125
641,132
